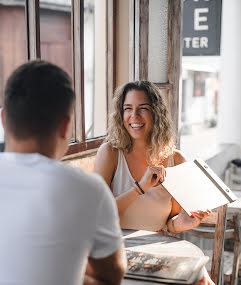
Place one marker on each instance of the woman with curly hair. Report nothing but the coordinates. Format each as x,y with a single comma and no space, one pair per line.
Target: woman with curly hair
138,148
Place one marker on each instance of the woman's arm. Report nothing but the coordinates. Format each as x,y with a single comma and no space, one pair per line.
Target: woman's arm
183,222
147,181
106,163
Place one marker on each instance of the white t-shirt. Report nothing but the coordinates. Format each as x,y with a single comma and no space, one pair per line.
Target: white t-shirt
52,217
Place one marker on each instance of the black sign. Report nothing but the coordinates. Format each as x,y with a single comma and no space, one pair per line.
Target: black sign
201,27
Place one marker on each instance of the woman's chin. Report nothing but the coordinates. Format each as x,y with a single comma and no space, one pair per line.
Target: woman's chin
138,137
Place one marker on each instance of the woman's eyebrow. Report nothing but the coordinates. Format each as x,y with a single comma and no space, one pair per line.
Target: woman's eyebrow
139,104
145,104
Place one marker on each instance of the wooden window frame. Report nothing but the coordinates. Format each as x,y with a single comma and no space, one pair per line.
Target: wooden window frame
32,16
138,50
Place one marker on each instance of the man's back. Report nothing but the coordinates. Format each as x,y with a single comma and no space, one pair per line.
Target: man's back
51,219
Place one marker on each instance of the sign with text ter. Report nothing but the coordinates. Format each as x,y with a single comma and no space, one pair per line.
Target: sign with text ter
201,27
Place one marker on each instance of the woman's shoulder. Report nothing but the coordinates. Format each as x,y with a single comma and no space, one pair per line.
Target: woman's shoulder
179,156
106,148
107,152
106,162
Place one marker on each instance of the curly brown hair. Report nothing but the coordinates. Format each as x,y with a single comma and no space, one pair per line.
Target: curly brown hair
161,140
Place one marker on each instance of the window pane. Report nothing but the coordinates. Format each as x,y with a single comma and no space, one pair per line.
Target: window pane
12,42
55,33
199,112
95,67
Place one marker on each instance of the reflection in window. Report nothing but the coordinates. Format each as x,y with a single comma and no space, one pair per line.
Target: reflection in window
95,67
55,38
12,43
12,39
55,33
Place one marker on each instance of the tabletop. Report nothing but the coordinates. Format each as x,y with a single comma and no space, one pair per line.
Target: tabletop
152,242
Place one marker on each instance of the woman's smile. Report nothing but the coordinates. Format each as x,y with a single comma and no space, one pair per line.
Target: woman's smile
137,126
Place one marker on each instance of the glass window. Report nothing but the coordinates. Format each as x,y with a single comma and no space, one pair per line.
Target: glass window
12,43
55,33
58,21
95,68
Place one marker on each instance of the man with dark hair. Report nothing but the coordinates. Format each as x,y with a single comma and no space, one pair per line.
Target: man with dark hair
53,219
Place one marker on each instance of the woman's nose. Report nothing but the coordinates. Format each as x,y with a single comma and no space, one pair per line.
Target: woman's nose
134,113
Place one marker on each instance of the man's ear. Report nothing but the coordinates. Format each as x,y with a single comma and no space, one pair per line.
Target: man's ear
2,118
65,128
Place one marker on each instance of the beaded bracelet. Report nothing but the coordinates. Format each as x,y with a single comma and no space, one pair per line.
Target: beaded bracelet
138,185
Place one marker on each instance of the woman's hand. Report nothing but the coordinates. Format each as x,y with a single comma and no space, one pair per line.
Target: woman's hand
152,177
183,222
198,216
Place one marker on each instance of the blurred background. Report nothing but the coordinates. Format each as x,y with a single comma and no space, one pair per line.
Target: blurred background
209,103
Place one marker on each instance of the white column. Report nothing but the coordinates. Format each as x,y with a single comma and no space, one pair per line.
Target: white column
229,112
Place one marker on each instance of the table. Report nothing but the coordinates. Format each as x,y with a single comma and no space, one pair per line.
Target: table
154,242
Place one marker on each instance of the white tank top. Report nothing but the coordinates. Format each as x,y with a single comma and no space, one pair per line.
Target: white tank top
149,211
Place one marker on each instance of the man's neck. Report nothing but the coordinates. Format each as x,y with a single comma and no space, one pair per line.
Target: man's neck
29,146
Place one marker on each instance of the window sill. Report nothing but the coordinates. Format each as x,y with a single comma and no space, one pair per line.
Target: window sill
77,150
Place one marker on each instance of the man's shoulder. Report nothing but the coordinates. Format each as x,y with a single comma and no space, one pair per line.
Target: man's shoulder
53,174
78,178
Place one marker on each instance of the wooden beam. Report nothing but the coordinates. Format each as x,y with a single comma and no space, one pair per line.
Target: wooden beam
32,29
218,245
164,85
141,39
175,8
131,40
75,148
78,67
80,155
236,250
110,59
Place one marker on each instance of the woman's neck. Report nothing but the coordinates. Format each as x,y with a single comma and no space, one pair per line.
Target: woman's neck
139,146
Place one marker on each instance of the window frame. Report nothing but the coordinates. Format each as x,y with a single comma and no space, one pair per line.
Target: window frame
138,56
32,16
138,50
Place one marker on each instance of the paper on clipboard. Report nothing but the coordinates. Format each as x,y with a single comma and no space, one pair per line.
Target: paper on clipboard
196,187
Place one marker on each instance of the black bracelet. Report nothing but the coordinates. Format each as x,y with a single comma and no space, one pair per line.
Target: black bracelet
138,185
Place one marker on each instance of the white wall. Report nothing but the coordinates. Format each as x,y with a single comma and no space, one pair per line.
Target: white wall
229,113
158,41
